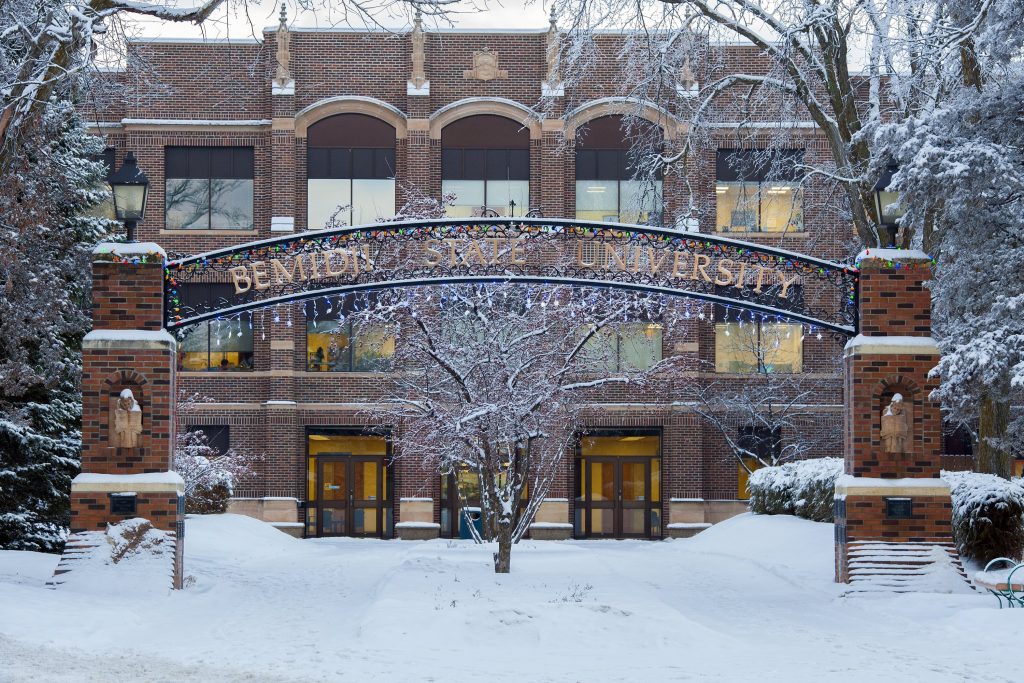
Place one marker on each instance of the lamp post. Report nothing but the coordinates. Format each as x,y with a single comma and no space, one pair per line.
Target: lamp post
885,205
130,188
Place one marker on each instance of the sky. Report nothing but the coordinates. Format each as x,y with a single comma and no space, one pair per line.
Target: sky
239,19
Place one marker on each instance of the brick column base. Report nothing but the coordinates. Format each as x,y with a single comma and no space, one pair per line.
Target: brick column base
129,354
864,513
891,510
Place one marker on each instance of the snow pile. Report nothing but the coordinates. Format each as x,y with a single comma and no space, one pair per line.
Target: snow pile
129,557
26,567
245,539
988,515
435,610
804,488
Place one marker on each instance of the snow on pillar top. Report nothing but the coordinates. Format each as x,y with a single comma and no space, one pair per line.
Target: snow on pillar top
129,252
889,258
894,299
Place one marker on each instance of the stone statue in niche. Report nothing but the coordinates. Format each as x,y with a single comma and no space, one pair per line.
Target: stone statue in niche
127,427
895,426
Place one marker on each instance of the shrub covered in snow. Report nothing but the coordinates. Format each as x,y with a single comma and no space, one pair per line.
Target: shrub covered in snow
804,488
988,515
209,474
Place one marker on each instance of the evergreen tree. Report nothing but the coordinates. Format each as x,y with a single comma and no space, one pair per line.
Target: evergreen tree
46,237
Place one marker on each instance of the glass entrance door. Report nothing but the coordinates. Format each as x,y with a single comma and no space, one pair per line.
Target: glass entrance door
367,492
616,497
351,489
618,486
332,483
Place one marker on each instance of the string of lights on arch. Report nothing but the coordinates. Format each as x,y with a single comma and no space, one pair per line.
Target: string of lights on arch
744,304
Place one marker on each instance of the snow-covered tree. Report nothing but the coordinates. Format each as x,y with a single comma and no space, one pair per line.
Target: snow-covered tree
844,67
46,237
493,381
209,474
962,177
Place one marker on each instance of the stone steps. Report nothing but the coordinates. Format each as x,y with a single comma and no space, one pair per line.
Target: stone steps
918,567
78,547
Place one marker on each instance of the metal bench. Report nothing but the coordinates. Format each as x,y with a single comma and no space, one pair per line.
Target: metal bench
1001,583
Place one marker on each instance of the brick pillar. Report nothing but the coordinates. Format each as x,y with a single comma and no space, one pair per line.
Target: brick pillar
552,178
128,351
284,151
884,495
418,157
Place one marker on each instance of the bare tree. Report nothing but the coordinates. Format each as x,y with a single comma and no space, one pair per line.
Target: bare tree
772,414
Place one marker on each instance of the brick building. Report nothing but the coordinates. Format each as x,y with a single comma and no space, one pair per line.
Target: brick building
247,140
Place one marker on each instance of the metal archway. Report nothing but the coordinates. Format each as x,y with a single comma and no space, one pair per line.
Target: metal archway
539,251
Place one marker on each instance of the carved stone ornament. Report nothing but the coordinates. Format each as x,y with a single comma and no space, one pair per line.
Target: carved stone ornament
283,83
552,85
896,426
418,83
485,67
126,427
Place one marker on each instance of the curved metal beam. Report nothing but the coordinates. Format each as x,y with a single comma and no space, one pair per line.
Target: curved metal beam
552,226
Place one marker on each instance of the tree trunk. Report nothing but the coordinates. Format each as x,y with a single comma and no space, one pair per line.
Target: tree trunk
503,558
994,416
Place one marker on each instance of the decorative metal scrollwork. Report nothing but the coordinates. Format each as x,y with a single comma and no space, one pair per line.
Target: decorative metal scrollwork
736,274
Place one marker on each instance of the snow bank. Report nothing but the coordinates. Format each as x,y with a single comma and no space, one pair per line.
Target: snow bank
26,567
128,558
245,539
777,540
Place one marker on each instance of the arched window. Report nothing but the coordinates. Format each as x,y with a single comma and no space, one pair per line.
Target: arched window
350,170
607,186
485,163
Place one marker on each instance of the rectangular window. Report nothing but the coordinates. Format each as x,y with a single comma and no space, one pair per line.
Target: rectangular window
486,179
757,191
208,188
607,191
349,186
336,344
218,345
633,346
756,346
763,444
217,436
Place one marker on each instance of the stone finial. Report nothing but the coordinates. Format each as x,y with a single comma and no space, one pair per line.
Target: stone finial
687,85
485,67
418,83
552,85
283,84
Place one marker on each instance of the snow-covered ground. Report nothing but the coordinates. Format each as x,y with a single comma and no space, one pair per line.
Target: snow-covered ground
749,599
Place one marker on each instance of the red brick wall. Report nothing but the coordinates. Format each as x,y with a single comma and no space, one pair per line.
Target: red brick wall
232,82
149,373
90,511
128,297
